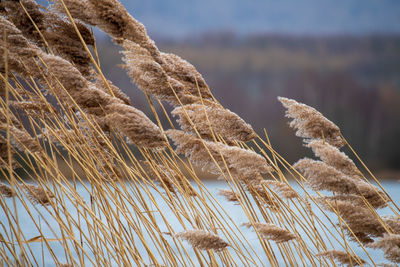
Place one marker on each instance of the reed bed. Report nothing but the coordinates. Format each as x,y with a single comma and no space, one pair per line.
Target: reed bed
132,195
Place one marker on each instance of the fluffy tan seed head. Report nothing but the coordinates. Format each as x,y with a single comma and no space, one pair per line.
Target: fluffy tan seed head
201,239
242,163
390,244
332,156
324,177
272,232
283,189
209,120
147,74
22,140
184,72
342,257
321,176
135,125
37,194
99,84
79,9
112,17
310,123
6,191
229,195
359,219
4,154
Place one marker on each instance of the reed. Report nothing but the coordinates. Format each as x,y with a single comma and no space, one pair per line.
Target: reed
101,184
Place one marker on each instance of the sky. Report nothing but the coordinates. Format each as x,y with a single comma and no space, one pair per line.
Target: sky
177,18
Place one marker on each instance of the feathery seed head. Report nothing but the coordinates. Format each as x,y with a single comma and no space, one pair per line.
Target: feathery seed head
134,124
242,163
37,194
6,191
214,119
271,232
390,244
335,158
201,239
342,257
229,195
310,123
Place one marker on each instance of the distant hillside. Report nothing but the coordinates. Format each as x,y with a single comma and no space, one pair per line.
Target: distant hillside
181,17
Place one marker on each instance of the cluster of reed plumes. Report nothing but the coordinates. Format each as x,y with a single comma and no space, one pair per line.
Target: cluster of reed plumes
131,195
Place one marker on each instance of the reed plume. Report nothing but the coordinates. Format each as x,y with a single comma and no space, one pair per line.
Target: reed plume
213,120
51,32
387,265
311,124
271,232
229,195
321,176
283,189
332,156
101,85
134,124
163,175
22,140
390,244
184,72
243,163
37,194
148,74
4,154
360,220
204,240
6,191
343,257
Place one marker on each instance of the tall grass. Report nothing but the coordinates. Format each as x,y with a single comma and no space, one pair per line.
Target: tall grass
132,194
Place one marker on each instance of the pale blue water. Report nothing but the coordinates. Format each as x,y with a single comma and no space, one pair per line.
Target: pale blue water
43,255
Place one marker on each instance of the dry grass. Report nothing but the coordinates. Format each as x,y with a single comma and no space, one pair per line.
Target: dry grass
143,195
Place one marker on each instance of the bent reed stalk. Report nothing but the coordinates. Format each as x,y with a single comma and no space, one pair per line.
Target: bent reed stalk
102,184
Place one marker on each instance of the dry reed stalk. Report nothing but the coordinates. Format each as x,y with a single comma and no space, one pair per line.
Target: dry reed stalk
271,232
213,121
201,239
311,124
343,257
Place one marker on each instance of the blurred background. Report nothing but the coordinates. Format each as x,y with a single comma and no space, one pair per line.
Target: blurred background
341,57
